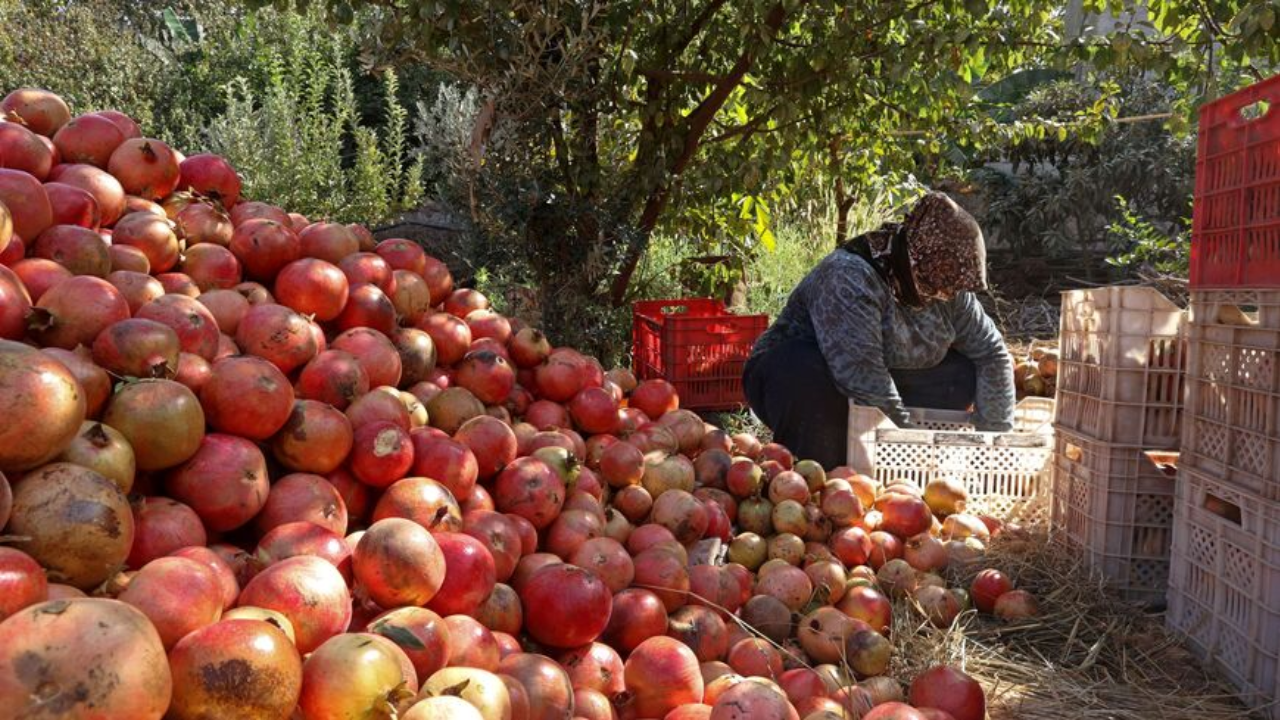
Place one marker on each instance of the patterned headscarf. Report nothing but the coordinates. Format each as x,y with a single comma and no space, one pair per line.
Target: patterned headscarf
945,246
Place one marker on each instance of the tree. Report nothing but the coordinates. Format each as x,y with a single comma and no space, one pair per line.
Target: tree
615,116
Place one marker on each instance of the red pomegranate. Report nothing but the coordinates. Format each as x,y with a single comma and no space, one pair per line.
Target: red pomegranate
375,352
74,312
222,570
225,482
333,377
266,666
277,334
447,461
452,336
210,176
368,307
37,275
655,397
247,396
663,673
21,149
178,596
78,249
421,634
307,590
305,538
145,167
104,188
397,562
264,247
366,267
73,206
27,202
546,684
381,454
469,578
70,641
299,497
162,526
89,139
22,581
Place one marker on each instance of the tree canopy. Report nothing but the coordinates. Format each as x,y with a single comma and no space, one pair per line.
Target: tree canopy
601,119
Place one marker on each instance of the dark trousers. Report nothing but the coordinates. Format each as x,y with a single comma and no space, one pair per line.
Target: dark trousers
791,390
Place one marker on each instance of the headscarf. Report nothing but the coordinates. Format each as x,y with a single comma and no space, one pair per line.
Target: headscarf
946,247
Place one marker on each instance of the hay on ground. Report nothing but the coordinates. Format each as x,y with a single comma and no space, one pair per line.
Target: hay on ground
1087,656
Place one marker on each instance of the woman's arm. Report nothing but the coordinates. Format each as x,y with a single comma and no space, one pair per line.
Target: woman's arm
978,339
847,319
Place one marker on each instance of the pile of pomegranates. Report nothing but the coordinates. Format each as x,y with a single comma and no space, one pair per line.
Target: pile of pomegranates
257,466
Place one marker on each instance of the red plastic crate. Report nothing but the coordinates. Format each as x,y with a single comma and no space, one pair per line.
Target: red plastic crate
697,346
1235,235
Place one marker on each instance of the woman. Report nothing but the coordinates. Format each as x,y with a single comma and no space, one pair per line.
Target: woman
888,320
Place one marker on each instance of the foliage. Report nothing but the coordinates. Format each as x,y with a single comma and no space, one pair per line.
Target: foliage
1056,195
599,123
51,44
1147,250
281,94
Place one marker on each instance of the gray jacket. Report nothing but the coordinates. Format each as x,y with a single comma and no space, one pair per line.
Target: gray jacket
849,310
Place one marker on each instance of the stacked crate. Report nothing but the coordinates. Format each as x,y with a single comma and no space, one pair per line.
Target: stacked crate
1120,386
1224,588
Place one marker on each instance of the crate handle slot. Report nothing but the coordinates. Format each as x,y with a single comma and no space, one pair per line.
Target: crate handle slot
1255,111
1073,452
1228,511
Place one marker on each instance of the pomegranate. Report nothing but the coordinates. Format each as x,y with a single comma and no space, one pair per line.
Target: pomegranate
302,496
21,149
381,454
663,572
138,289
381,405
452,336
411,297
421,633
681,513
487,375
868,605
178,595
565,606
471,644
369,268
447,461
235,668
376,353
637,615
27,202
244,212
483,692
161,419
162,526
69,642
353,675
15,303
529,488
79,523
423,501
89,139
608,559
22,582
264,247
398,563
333,377
702,630
867,653
247,396
501,612
225,482
74,312
307,590
203,224
73,206
104,188
210,176
221,569
78,249
145,167
987,587
137,347
1016,605
663,673
278,335
39,110
469,578
43,406
316,438
369,307
753,699
594,667
105,451
550,694
417,355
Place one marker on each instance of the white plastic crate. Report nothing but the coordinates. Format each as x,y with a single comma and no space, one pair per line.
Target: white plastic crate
1224,583
1006,474
1120,374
